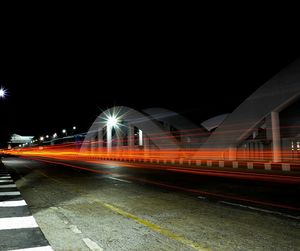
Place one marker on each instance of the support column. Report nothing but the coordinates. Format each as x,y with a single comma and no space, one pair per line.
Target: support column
140,137
100,138
109,137
146,143
276,136
92,144
232,153
119,139
130,137
146,146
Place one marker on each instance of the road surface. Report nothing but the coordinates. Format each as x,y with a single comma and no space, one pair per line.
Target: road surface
119,206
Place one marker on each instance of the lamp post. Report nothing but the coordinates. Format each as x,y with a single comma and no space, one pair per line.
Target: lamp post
111,123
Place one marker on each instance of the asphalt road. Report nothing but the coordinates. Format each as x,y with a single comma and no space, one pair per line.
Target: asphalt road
116,206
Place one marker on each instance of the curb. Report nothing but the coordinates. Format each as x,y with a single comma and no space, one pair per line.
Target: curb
238,164
18,228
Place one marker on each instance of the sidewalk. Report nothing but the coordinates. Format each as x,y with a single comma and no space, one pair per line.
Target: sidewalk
18,228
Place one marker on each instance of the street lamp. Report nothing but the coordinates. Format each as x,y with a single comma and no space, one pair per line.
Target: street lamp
64,131
2,92
112,122
74,127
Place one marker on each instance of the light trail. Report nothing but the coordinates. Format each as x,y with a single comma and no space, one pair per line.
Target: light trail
174,187
180,157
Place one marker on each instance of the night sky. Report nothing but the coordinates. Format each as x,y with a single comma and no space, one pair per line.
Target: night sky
59,81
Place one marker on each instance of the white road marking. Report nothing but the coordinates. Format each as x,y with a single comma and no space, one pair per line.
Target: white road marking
92,245
201,197
261,210
7,186
75,229
45,248
113,178
17,222
17,203
10,193
2,181
5,177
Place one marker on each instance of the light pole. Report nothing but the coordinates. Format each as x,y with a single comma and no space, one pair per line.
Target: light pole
111,123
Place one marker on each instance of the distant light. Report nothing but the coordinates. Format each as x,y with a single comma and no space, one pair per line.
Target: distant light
74,127
41,138
20,145
2,92
47,136
54,135
64,131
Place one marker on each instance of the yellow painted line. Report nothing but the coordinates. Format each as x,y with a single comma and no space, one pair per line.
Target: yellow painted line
148,224
158,229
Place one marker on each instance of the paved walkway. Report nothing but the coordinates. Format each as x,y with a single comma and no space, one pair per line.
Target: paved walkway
18,228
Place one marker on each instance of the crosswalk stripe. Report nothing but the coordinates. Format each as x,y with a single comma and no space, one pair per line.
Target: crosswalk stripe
45,248
2,181
15,203
17,222
10,193
7,186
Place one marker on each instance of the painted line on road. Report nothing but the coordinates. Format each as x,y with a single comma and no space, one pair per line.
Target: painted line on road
201,197
92,245
260,209
113,178
8,186
4,181
17,203
5,177
145,223
44,248
10,193
17,223
157,228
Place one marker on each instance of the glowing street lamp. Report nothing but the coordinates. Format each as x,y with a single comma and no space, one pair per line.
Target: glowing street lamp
2,92
42,138
74,127
112,122
64,131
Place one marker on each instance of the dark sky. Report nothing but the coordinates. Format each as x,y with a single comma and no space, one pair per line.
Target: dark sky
59,79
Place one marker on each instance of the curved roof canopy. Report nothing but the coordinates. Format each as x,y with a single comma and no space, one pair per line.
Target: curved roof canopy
274,95
214,122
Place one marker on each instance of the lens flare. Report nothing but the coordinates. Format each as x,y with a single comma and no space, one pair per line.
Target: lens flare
3,92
